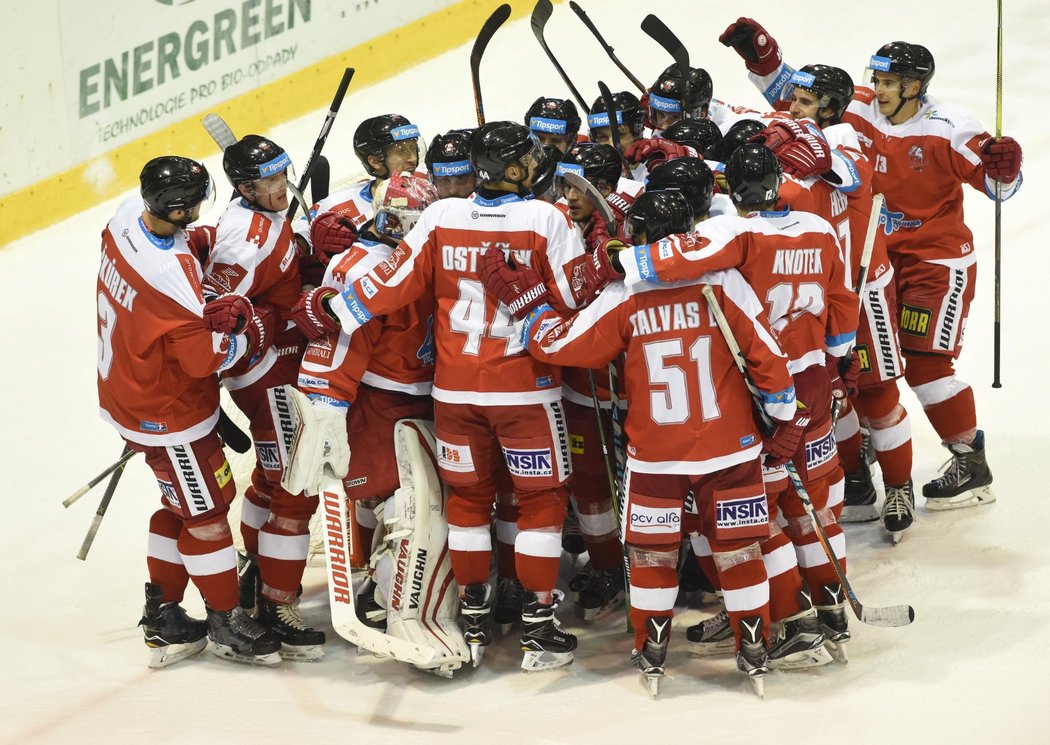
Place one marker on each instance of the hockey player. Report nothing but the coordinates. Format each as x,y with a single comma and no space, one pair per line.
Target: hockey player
924,151
485,385
603,167
448,163
255,256
554,121
691,177
630,119
156,385
689,428
700,134
665,97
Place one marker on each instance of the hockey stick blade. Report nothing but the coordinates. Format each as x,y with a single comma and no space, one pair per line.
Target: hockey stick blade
233,435
582,14
320,181
614,129
219,130
889,616
587,189
540,15
488,30
665,37
340,587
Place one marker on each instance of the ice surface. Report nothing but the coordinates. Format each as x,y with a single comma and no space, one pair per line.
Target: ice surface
967,671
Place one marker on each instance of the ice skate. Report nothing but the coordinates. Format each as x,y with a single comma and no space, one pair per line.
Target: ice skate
509,597
798,642
572,541
580,578
369,610
859,502
170,633
475,608
712,636
603,591
966,481
299,642
752,659
898,511
545,645
238,637
650,660
831,612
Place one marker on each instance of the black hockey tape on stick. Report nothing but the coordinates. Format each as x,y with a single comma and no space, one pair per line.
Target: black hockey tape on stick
488,30
233,435
540,15
111,488
326,128
665,37
605,45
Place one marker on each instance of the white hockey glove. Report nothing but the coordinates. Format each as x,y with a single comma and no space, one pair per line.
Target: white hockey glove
320,440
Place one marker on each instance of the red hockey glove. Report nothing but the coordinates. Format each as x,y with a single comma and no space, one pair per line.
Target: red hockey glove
602,268
1002,159
760,51
331,233
807,155
201,239
520,288
261,330
312,315
845,374
228,314
779,133
647,115
782,443
621,204
653,152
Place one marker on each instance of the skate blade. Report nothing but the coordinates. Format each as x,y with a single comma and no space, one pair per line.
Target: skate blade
837,650
477,651
803,660
168,655
700,649
859,513
973,498
896,536
596,614
651,682
301,653
534,662
225,652
758,684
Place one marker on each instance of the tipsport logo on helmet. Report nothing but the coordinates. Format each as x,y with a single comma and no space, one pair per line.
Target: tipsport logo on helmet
562,168
802,79
880,64
404,132
548,126
275,166
458,168
659,103
601,119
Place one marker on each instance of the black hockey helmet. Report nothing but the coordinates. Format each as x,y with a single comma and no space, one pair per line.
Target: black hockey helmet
254,157
172,182
658,214
449,154
700,134
666,93
628,111
910,61
832,86
753,175
741,131
495,145
554,116
375,134
594,161
690,176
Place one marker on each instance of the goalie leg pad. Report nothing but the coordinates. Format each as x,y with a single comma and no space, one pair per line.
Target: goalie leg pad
423,599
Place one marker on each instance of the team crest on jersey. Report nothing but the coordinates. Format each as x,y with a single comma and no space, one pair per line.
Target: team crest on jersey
917,158
915,321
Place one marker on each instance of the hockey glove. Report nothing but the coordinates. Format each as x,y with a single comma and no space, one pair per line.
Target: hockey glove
783,442
759,50
1002,159
845,374
331,233
603,267
228,314
520,288
653,152
201,238
261,330
312,315
802,151
647,114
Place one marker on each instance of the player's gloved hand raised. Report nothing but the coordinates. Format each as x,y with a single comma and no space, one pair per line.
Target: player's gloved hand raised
760,51
312,315
228,314
1002,159
801,150
844,373
520,288
653,152
331,233
783,442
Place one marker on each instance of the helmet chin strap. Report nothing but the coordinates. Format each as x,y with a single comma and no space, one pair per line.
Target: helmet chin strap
904,99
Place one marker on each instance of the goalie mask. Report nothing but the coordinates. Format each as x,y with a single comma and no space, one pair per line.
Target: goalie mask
399,201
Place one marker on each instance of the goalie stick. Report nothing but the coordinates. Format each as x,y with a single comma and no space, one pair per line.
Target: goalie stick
488,30
892,615
540,15
605,45
666,38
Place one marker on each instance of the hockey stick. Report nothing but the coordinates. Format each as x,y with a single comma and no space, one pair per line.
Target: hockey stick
126,455
605,45
893,615
666,38
337,551
540,15
614,126
996,344
320,182
233,435
488,30
111,488
322,136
